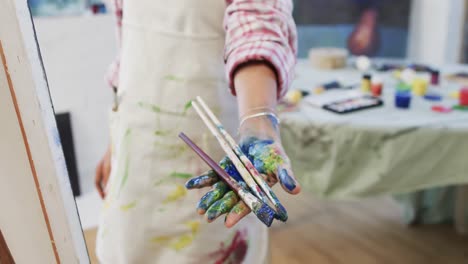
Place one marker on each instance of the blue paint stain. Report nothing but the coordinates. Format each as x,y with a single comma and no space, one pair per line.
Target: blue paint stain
193,183
274,122
265,214
286,180
229,167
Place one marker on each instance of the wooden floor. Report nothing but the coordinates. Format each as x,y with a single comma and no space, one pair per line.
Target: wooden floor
368,231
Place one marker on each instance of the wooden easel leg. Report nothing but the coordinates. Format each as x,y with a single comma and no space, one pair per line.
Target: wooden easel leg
5,255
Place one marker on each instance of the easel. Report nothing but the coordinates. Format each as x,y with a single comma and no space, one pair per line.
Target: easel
5,255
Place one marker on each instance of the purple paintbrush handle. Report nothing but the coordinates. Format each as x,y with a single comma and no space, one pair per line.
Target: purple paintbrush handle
211,163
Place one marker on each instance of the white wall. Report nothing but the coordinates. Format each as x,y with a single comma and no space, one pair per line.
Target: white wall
436,31
76,53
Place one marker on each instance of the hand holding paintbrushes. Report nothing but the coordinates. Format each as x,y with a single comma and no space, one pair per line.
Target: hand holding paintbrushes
269,159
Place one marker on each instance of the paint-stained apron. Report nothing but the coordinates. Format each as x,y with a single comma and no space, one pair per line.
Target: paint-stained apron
172,51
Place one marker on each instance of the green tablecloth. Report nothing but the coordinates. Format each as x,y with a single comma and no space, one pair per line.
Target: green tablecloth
374,152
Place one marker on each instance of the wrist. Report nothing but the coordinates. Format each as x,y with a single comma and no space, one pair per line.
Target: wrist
256,87
261,127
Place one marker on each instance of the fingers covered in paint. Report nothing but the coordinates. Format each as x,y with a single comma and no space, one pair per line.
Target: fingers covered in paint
287,179
239,211
218,191
207,179
269,158
222,206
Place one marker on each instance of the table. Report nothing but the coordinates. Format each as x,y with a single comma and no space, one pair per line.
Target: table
378,151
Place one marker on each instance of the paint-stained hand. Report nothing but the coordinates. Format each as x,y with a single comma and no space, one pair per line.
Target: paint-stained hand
269,159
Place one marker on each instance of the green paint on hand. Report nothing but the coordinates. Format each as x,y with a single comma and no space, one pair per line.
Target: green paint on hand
239,209
271,161
222,206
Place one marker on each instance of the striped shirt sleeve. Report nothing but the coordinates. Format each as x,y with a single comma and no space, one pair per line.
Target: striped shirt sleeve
261,30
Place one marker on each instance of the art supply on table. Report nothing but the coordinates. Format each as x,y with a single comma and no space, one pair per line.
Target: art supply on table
454,95
435,77
419,86
366,83
353,104
363,63
415,67
331,96
263,212
333,85
327,86
249,168
460,108
408,75
377,86
402,99
441,109
459,77
376,89
433,97
403,87
328,58
294,97
463,100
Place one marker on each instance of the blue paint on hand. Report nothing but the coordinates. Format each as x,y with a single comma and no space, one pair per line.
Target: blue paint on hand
286,180
229,167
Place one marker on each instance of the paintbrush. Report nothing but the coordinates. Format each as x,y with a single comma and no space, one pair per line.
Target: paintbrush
280,210
260,209
232,156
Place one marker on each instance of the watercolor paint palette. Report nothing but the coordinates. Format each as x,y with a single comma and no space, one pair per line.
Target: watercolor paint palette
353,104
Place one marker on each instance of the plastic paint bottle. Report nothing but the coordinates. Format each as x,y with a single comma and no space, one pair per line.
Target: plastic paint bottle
377,87
464,96
403,87
402,99
419,86
366,83
435,77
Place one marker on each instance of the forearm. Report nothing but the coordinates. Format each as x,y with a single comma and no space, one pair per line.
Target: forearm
263,32
256,89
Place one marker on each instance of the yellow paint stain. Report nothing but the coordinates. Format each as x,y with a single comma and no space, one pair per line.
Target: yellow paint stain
194,226
182,242
129,206
176,194
161,239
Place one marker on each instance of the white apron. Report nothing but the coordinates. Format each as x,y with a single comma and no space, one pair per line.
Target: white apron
172,51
